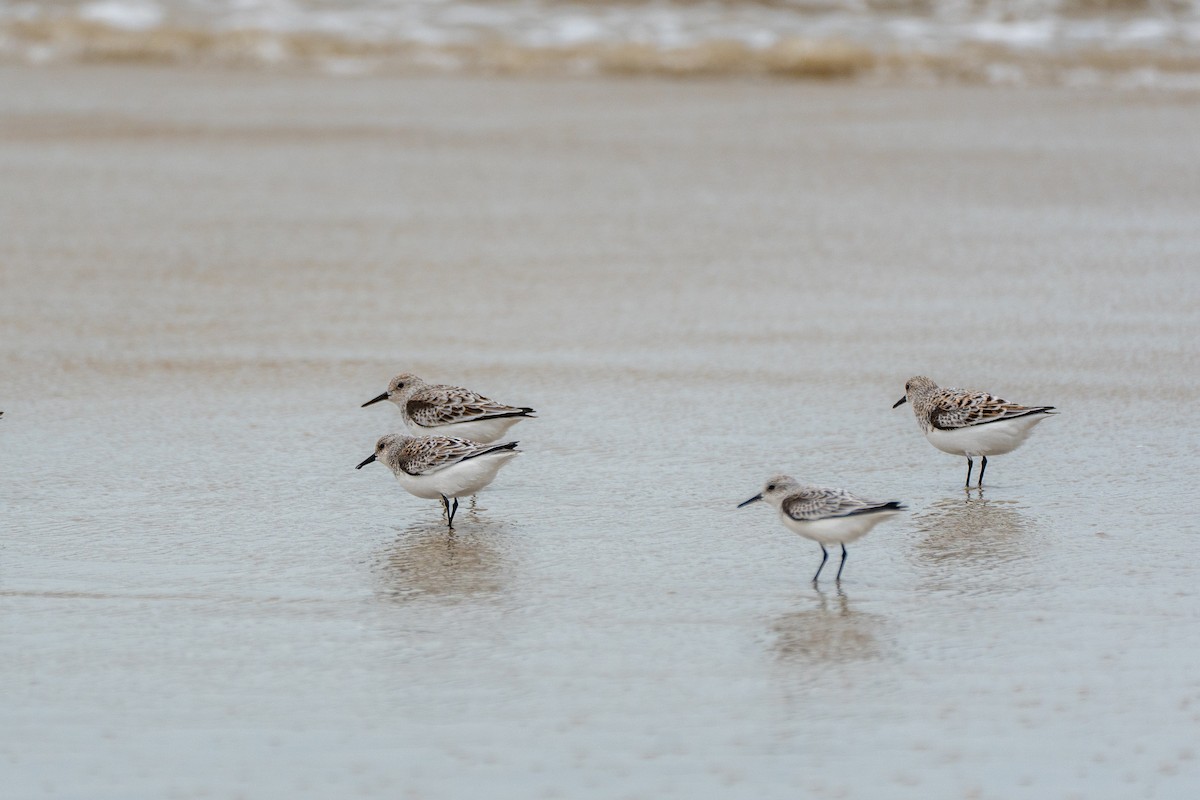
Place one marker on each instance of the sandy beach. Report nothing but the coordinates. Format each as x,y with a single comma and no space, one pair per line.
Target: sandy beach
203,274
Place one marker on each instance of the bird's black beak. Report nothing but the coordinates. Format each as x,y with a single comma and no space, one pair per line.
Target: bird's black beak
899,402
751,500
368,460
374,400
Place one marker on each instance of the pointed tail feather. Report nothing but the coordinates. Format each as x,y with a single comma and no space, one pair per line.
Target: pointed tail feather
520,412
891,505
506,446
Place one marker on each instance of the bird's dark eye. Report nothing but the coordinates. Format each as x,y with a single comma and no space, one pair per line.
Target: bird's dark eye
770,487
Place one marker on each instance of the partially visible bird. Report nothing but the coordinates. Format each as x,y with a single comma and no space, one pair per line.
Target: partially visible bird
442,467
449,410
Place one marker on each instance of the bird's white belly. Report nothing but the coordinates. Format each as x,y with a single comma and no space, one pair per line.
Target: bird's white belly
990,439
461,479
484,431
838,530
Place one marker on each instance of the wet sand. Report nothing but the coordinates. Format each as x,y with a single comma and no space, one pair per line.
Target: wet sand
696,284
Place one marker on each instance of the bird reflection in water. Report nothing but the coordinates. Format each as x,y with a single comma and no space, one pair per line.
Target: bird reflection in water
427,561
964,540
831,631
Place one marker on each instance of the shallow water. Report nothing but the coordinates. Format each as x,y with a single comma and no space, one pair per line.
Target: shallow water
204,275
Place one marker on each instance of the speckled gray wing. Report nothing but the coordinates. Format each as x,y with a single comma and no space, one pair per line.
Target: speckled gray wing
956,408
447,405
428,454
814,503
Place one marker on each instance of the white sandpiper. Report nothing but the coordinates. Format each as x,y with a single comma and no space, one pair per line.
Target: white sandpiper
449,410
824,515
444,467
967,423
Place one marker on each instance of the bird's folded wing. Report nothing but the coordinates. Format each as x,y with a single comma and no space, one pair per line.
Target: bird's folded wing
422,456
815,503
446,405
954,408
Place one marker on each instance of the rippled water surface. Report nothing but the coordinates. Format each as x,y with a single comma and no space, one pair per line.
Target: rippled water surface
696,285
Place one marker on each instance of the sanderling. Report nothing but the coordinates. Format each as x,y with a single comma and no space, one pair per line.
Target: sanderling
450,410
826,516
441,467
965,423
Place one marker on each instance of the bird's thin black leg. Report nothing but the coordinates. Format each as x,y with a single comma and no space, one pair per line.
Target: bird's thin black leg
453,511
445,507
844,556
970,466
824,558
981,469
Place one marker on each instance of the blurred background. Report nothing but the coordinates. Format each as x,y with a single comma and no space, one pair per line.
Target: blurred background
1072,42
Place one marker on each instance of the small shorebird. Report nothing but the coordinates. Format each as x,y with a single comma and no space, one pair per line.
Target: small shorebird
966,423
826,516
449,410
442,467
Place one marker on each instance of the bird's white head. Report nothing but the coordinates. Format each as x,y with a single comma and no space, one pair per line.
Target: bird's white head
775,489
915,388
386,450
399,389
